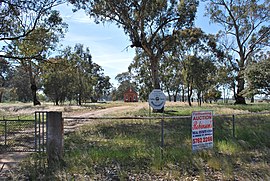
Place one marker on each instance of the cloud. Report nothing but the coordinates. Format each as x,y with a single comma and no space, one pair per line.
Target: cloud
79,17
88,39
69,16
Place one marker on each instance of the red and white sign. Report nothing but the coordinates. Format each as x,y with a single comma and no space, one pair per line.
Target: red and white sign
202,130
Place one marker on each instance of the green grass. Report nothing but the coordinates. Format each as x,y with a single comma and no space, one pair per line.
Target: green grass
19,124
128,149
254,107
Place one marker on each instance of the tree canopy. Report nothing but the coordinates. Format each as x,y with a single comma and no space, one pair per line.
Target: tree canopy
171,53
258,77
74,76
245,31
149,24
19,19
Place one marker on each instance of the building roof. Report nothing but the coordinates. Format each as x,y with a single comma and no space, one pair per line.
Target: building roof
130,91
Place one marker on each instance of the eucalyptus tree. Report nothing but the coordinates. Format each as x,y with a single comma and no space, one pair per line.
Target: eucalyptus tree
58,79
126,82
191,49
212,94
148,23
258,77
102,88
205,73
82,60
19,18
35,30
89,81
123,77
198,75
171,76
189,68
100,83
225,80
37,44
6,73
140,69
245,31
21,85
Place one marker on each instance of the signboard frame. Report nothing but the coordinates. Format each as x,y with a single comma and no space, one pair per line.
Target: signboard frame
202,130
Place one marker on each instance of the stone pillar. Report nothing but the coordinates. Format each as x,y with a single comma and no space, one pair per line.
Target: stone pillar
55,141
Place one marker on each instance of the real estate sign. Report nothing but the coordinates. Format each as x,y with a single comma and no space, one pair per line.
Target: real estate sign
202,130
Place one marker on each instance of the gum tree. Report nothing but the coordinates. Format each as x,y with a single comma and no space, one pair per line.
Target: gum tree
29,51
258,77
245,31
6,73
140,69
148,23
18,19
28,31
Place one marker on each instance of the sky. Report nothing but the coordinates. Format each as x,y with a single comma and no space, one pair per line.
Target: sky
108,44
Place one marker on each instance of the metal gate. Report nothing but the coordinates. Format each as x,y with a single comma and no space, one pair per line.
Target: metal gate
24,135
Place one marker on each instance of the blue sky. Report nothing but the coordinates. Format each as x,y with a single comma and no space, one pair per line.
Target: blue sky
107,42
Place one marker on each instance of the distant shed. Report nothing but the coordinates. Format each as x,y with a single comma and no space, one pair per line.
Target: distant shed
130,96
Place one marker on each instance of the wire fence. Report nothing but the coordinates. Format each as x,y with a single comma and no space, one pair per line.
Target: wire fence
225,126
26,135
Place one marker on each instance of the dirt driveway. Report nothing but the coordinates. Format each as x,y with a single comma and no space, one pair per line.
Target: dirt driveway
9,160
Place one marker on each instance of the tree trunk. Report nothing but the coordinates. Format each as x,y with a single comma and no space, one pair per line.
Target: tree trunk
189,95
175,95
189,100
183,94
33,84
174,98
252,99
2,89
199,99
1,95
80,100
155,76
57,102
169,95
239,98
34,94
155,73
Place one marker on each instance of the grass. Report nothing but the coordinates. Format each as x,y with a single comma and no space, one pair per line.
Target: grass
252,107
16,122
130,150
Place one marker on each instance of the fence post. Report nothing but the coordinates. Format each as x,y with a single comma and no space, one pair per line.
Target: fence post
162,135
5,131
35,132
233,125
55,143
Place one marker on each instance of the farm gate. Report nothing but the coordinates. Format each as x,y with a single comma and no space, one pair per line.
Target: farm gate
23,135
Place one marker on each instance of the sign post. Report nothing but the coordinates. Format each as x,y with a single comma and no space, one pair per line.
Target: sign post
202,130
157,101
